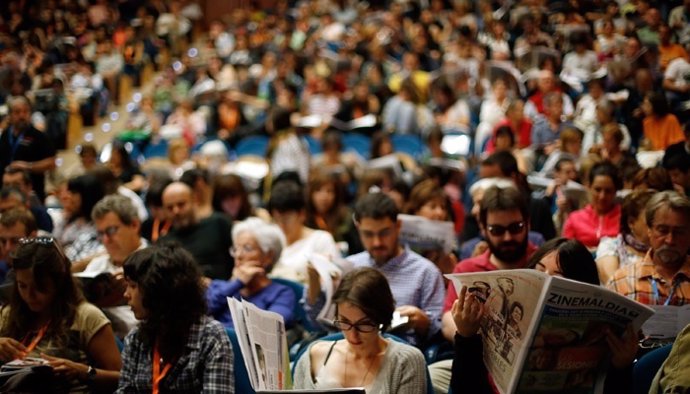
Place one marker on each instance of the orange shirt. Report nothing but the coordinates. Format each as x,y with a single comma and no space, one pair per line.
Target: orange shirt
662,131
670,52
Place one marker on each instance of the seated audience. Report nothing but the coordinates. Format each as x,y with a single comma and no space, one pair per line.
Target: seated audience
663,276
48,318
176,347
257,246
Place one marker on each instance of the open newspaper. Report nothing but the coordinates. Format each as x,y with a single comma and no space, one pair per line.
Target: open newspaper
423,235
542,333
263,344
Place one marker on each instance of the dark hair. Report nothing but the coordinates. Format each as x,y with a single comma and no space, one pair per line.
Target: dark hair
332,137
508,165
334,216
562,161
502,199
678,161
90,189
228,186
287,196
606,169
192,176
125,159
505,131
154,194
367,289
376,206
659,103
423,192
279,119
633,205
19,215
169,282
574,260
377,140
48,263
88,149
656,178
26,176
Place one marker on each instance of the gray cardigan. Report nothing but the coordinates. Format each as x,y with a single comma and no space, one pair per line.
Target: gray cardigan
403,371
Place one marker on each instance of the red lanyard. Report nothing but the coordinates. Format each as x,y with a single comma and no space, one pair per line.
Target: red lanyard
158,230
31,346
158,375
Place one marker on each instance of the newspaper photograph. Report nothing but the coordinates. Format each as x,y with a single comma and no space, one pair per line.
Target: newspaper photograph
513,299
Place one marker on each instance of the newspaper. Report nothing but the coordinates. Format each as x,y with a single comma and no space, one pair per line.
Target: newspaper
327,270
667,322
422,234
543,333
263,345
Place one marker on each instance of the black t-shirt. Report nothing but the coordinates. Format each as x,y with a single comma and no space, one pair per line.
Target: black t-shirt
32,146
209,241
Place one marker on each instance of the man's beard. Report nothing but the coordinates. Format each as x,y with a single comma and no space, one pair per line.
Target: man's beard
509,251
669,257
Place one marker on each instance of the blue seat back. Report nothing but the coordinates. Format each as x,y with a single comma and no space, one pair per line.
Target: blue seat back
408,143
159,149
314,145
242,382
353,142
256,145
299,313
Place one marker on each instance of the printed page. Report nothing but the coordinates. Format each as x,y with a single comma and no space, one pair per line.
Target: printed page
513,298
243,337
569,352
326,270
667,321
269,347
424,235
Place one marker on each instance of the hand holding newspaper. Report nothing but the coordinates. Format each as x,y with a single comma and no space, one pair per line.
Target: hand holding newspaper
545,333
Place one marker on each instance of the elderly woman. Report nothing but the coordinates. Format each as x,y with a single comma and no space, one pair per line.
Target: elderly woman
257,247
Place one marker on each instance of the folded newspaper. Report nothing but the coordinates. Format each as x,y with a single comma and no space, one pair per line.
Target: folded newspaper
263,344
422,234
543,333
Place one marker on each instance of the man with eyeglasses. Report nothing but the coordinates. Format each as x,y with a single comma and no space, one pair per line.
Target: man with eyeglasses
663,276
118,228
504,222
415,282
15,224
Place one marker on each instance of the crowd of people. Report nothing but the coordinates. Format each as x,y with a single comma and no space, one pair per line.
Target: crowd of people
551,135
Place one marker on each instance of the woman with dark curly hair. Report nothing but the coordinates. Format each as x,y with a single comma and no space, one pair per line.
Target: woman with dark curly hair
47,317
176,347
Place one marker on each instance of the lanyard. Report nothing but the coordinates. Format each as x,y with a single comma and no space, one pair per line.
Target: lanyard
14,144
32,345
655,289
157,231
158,375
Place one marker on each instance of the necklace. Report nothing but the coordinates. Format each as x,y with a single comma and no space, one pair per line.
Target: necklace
371,364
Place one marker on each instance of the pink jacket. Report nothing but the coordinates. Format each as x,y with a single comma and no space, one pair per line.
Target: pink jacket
587,227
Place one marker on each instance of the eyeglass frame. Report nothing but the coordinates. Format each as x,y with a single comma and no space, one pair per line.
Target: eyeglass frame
341,325
110,231
498,230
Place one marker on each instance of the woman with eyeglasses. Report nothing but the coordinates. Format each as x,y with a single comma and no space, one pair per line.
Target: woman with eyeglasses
257,247
48,318
364,358
601,217
176,348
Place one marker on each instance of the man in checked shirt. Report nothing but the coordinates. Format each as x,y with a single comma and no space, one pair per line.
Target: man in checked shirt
663,276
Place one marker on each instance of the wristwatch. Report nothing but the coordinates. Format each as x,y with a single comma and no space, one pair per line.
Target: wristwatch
90,374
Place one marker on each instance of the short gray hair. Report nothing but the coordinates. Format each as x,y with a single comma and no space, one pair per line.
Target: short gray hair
15,100
669,199
119,205
267,235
